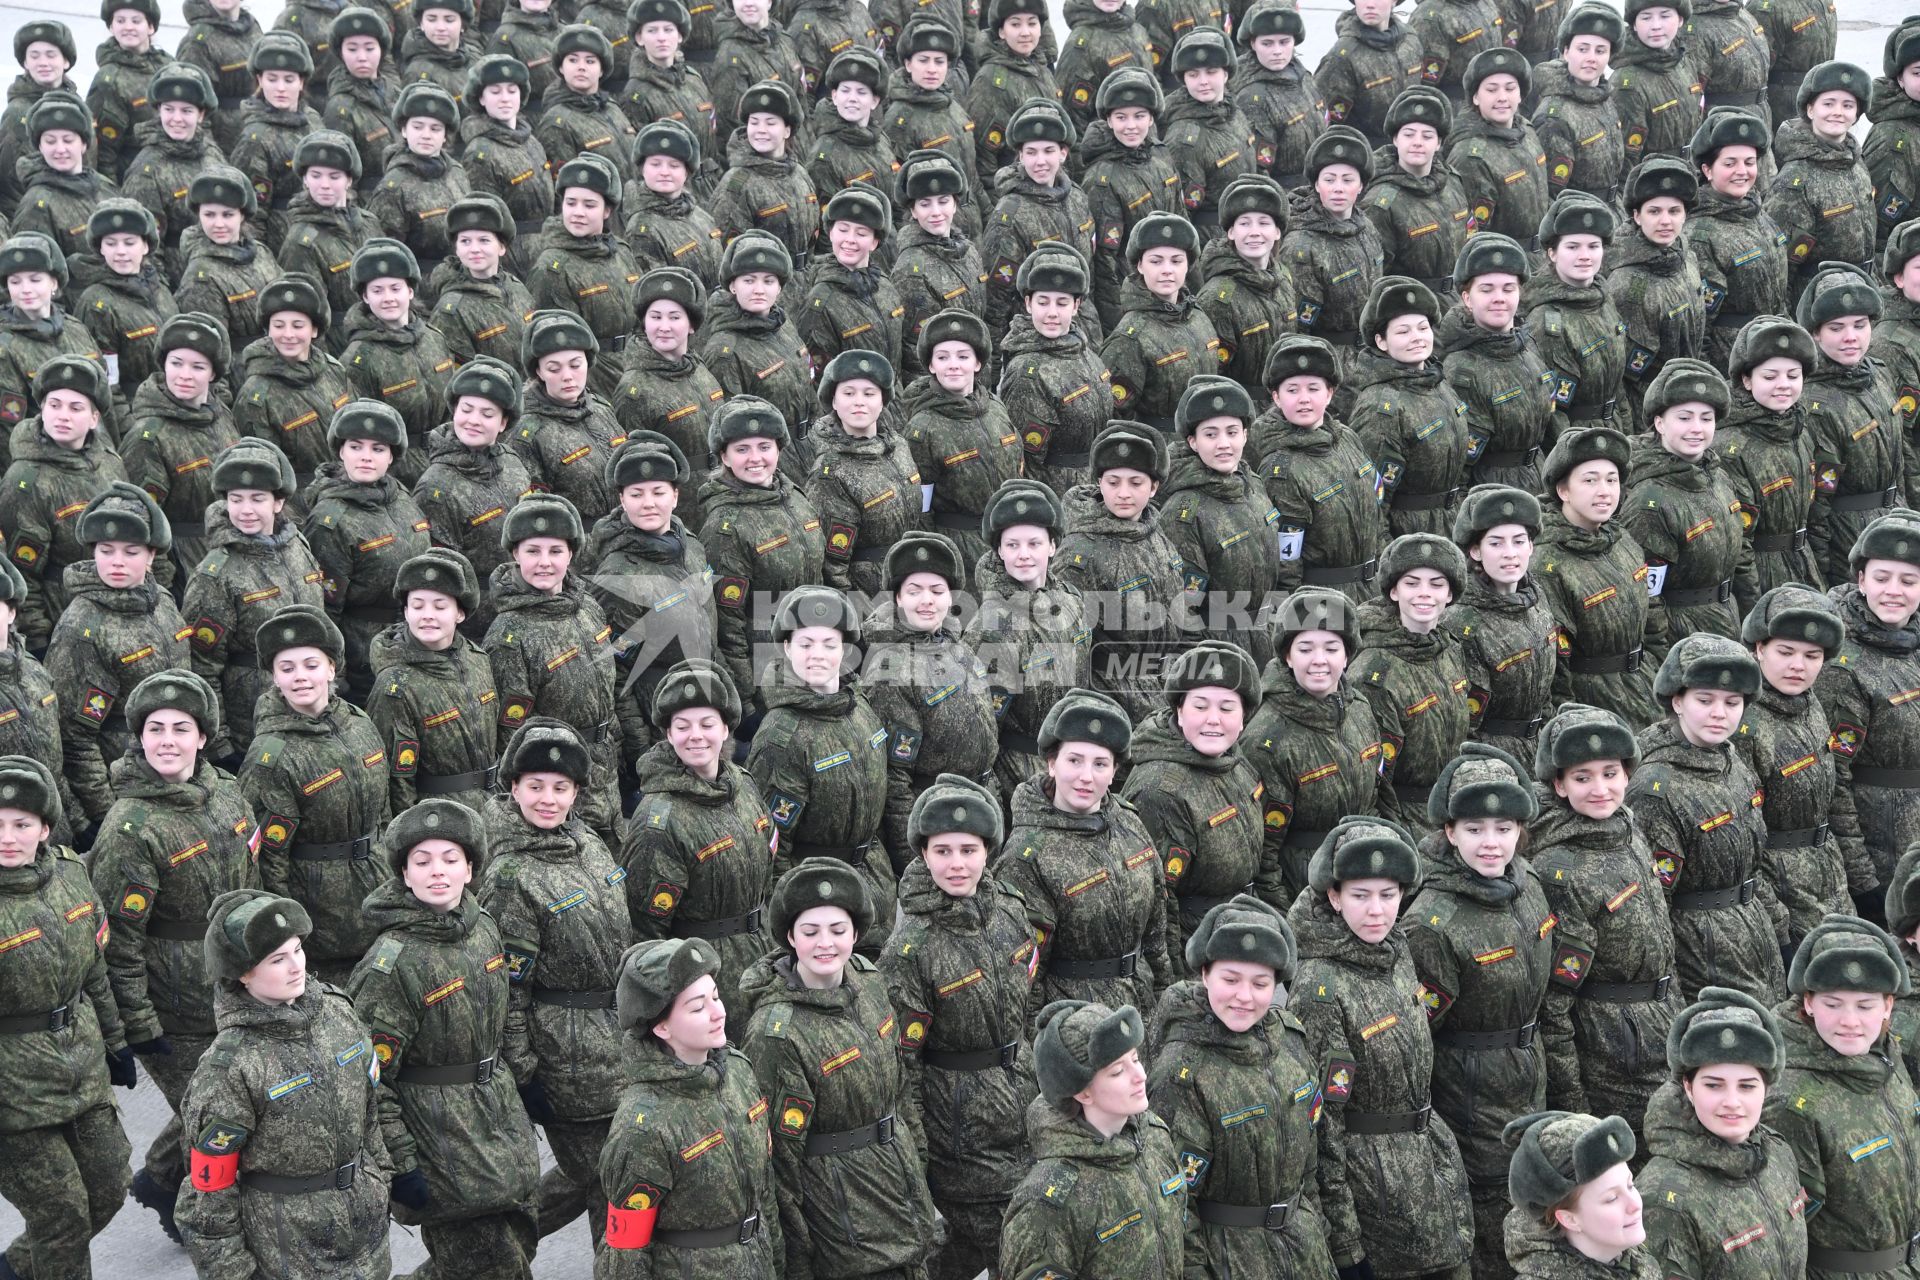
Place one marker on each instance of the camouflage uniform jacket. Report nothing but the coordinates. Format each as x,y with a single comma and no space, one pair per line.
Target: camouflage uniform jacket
1740,253
742,58
1398,1200
1334,263
412,200
321,242
406,367
117,97
679,93
1211,144
480,317
265,1091
596,278
1687,518
1097,45
169,448
30,722
1134,572
1595,583
1658,293
27,343
1503,170
224,281
124,314
1035,647
1422,221
161,173
1896,344
1024,216
363,110
1451,32
438,715
529,37
822,29
44,491
240,582
510,163
566,950
1889,152
1418,687
958,971
1414,427
1822,199
1251,308
827,1063
1366,69
565,448
219,44
1542,1253
1482,948
1507,638
761,543
571,123
775,196
1715,1210
1800,35
849,309
931,275
1859,458
842,153
964,447
57,205
166,851
1005,81
867,493
674,397
15,146
674,231
759,355
1657,92
1056,396
1223,526
318,785
312,21
1206,1082
1875,730
361,534
107,640
1154,350
433,992
264,151
290,404
1324,485
423,60
1577,331
1509,395
1063,1217
1610,930
1097,896
1579,127
462,492
1123,185
1166,21
1287,111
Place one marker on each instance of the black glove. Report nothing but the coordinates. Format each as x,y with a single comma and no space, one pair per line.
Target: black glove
120,1068
1361,1270
1786,957
410,1189
84,837
1871,906
159,1044
533,1096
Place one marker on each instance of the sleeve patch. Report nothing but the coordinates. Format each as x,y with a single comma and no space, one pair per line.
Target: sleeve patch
664,899
731,593
794,1115
207,635
1667,866
96,704
136,900
784,809
1434,1000
406,757
1339,1083
1846,739
1570,966
519,964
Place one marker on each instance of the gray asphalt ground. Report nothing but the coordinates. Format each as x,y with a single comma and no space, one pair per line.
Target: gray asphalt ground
132,1248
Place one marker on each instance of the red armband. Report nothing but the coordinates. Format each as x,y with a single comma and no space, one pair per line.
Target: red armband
213,1173
630,1228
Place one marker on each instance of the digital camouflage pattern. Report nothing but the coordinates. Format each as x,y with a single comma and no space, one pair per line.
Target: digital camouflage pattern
761,543
1135,582
1036,647
1251,308
438,714
1688,519
464,493
1414,427
1286,110
224,281
867,493
1026,215
1097,45
1334,262
1579,129
1873,736
1325,488
479,317
1123,185
124,314
1658,293
1740,252
1822,198
1056,395
1503,171
407,368
1366,69
361,534
1508,641
1509,393
290,404
1657,92
1418,687
42,494
1858,456
758,355
1422,221
1768,459
1595,583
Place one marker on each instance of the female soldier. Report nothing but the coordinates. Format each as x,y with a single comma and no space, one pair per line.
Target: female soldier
547,621
1766,451
363,526
265,1096
1736,244
1782,739
392,354
584,266
1651,274
862,479
1504,622
560,1039
924,682
567,432
61,187
472,477
1576,1212
1682,508
179,835
289,384
362,86
274,119
1574,111
420,182
61,456
1412,669
1821,169
128,295
1481,932
1245,290
698,854
1279,96
693,1089
442,48
1015,68
219,37
1413,424
434,701
1695,800
1128,174
177,426
26,690
257,564
747,341
963,443
1851,416
662,85
173,148
118,628
766,187
1594,580
1083,860
1333,251
1613,958
1490,360
34,327
763,537
579,116
466,1168
1873,735
819,755
1313,742
1054,376
1840,1059
1197,794
935,266
223,264
305,735
1903,922
497,145
1493,148
1414,200
326,221
668,225
1386,1146
963,1038
1723,1194
1222,519
666,387
823,1044
1331,531
848,290
1570,320
1225,1051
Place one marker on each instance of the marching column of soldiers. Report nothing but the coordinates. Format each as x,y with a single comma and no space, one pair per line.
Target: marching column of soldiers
942,647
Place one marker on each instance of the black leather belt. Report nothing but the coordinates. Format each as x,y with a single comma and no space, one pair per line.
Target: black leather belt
1201,903
1414,793
1878,1260
1749,98
1722,590
618,342
1338,337
177,930
1477,1041
1388,1121
1626,992
1055,458
458,1073
1424,501
1266,1217
854,853
1303,838
726,927
1738,895
741,1232
1593,412
528,226
597,733
1804,838
1010,741
332,851
440,784
28,1023
1610,665
868,1135
1511,728
1112,967
867,555
954,520
371,612
1781,541
1334,575
1897,779
972,1059
1509,458
336,1180
574,999
1161,422
231,101
1865,501
189,528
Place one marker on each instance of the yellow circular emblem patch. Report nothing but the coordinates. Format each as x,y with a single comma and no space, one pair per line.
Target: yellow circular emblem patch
793,1118
276,832
134,902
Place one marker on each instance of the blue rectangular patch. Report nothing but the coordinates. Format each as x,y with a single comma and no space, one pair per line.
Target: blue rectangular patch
1305,1091
618,875
1243,1115
1871,1147
285,1087
939,696
351,1052
567,903
1172,1185
834,761
1422,432
878,740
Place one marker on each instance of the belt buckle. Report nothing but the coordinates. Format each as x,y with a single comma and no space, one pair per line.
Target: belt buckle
483,1072
1128,963
883,1128
753,920
343,1176
1820,833
1608,405
1276,1216
1724,591
750,1228
360,847
57,1019
1660,986
1632,662
1747,890
1009,1053
489,775
1526,1035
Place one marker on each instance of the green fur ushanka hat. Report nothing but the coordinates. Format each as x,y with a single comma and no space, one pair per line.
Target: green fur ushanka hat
1845,953
1362,848
654,973
1086,716
1555,1153
1724,1025
436,818
1703,660
1580,734
1245,930
954,804
818,882
245,926
1482,782
1075,1039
